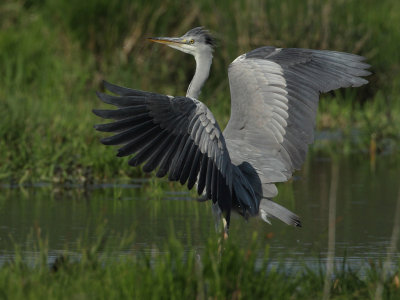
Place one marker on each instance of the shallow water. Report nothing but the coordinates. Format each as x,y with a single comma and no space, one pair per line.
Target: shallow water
365,210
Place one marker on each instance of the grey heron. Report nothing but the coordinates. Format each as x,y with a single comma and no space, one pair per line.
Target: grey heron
274,100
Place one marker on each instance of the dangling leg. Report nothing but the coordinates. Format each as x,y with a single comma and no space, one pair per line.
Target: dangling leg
225,235
226,227
225,222
217,219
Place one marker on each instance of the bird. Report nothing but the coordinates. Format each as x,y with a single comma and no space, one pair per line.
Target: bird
274,100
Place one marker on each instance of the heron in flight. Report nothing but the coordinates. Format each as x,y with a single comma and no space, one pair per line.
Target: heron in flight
274,100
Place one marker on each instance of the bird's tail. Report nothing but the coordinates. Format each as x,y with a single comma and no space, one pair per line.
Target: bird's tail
270,208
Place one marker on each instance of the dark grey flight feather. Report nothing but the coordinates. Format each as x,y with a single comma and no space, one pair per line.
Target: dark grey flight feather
177,135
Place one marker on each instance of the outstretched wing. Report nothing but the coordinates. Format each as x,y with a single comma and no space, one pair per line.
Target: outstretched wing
177,135
274,100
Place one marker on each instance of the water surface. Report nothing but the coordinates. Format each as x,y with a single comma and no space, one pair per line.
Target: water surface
365,210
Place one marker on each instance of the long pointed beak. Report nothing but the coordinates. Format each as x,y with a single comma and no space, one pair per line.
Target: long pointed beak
168,40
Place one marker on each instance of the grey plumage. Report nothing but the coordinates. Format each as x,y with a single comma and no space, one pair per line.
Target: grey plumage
202,36
284,85
274,100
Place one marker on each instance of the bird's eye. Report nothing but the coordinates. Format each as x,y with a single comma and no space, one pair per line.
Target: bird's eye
191,41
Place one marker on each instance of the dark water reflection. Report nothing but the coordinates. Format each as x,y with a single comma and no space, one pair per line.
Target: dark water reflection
366,202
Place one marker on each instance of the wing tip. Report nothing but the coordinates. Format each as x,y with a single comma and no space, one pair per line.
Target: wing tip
360,81
107,141
102,96
296,222
113,88
120,153
97,112
97,127
106,84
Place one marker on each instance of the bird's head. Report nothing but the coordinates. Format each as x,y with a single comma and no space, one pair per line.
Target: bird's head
196,41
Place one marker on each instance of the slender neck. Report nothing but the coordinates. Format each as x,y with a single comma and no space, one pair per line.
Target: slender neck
203,64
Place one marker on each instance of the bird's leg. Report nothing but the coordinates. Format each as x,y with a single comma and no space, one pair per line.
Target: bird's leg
217,219
224,236
226,228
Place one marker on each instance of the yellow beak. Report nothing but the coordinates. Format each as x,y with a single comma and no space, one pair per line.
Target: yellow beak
167,40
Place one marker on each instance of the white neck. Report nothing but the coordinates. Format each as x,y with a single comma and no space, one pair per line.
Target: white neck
203,64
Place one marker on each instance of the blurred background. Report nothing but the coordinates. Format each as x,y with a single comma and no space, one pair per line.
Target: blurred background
54,55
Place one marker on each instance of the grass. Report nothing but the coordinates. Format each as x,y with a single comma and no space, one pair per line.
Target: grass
54,54
96,270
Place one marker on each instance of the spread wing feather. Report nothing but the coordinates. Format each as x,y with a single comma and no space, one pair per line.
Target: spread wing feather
177,135
274,100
